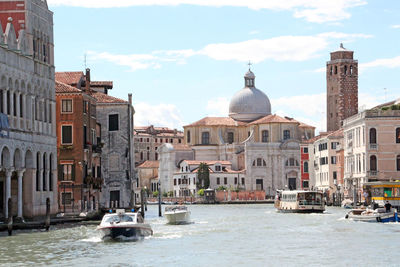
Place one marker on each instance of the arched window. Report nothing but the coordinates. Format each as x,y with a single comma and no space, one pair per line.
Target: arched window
286,134
331,71
305,167
156,156
205,138
1,101
230,137
188,136
259,162
372,136
372,163
8,102
398,162
335,69
141,155
292,162
264,136
37,171
44,172
398,135
351,70
15,99
51,173
345,70
21,104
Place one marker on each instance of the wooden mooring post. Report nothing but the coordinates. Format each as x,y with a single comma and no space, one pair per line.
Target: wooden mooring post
142,202
10,217
47,222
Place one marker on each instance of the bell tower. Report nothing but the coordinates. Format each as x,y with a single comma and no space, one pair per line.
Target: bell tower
342,87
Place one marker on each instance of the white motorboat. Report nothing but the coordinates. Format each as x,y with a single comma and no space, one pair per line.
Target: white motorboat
371,215
124,226
177,214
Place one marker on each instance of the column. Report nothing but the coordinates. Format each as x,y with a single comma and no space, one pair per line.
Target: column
4,101
8,189
47,176
40,179
20,175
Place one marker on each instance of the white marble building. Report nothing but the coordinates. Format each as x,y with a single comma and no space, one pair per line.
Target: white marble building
28,148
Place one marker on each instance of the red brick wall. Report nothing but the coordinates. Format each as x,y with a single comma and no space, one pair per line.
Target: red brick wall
17,13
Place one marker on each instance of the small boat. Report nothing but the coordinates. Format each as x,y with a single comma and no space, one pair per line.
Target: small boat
371,215
297,201
178,214
123,225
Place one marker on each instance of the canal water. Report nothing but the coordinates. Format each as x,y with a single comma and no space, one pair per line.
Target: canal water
221,235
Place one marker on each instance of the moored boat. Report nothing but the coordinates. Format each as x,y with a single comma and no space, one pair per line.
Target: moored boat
178,214
300,201
371,215
124,226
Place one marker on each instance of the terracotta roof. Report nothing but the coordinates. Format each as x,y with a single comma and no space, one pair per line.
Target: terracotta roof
149,164
103,98
208,162
315,138
217,121
107,84
273,118
65,88
338,134
69,77
227,170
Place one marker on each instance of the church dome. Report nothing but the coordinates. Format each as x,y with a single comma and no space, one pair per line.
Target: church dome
249,103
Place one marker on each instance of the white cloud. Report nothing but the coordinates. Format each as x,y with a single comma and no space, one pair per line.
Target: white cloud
395,26
161,115
318,11
281,48
382,62
218,107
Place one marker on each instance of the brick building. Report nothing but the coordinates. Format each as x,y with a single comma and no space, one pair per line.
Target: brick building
342,87
79,144
148,139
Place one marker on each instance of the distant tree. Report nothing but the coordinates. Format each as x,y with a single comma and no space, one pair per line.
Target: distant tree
200,192
203,176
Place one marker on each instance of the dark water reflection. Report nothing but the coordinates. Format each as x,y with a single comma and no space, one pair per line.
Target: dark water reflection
229,235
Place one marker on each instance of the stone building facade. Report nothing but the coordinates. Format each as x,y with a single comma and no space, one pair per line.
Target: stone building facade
148,139
28,151
371,148
263,147
341,87
118,170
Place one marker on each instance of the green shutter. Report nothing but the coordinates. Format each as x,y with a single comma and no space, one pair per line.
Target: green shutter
61,172
73,173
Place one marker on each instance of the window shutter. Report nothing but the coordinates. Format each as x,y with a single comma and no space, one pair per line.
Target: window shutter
61,172
73,172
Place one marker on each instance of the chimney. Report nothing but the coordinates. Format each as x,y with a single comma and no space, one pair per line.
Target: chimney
87,81
130,99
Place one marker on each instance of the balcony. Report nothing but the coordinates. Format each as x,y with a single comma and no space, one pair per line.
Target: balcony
4,126
372,173
373,146
96,149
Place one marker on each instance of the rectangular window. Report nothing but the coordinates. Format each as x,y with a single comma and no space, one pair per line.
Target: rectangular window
305,150
66,105
333,159
85,107
218,181
242,180
205,138
236,180
66,198
225,180
113,123
66,134
286,134
334,145
218,168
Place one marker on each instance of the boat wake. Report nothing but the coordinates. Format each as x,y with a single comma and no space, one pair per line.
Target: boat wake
93,239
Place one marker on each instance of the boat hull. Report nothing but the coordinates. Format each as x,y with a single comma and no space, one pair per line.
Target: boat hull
135,232
301,210
178,217
381,218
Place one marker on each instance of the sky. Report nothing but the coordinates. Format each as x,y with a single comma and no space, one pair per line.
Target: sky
184,59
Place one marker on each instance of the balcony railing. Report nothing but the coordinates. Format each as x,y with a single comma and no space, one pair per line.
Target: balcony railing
373,146
372,173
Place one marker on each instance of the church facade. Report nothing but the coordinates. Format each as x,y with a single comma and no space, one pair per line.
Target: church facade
264,147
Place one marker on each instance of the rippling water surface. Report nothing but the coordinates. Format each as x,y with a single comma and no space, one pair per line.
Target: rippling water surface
221,235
